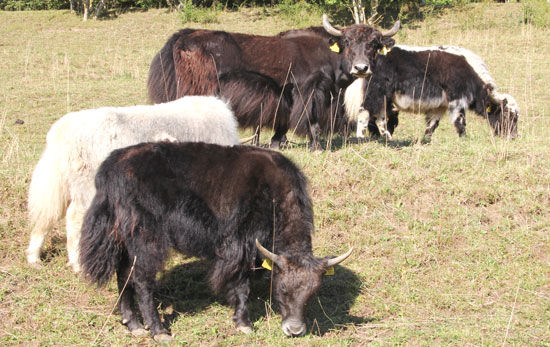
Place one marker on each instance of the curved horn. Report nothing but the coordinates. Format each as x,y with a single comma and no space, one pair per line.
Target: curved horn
338,260
272,256
393,30
329,28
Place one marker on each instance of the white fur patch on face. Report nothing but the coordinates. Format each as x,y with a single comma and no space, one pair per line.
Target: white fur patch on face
353,98
511,105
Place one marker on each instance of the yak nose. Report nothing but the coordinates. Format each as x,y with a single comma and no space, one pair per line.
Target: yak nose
361,70
294,329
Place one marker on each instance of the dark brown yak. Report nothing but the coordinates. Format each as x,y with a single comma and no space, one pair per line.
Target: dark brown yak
209,201
191,62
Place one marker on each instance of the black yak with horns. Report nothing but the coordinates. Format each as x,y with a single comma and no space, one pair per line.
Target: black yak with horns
206,201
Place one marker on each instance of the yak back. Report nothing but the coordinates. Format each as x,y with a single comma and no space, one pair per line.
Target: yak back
207,200
200,56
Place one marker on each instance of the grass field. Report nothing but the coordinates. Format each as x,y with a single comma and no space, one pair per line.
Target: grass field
451,238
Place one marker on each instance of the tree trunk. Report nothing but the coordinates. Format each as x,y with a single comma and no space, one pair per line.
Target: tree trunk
86,4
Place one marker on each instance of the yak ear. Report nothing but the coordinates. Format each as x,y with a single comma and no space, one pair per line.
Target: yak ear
388,42
335,45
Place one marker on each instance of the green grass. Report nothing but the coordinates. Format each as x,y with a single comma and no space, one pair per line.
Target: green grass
451,238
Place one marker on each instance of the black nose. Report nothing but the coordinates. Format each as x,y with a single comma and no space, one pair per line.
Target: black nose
361,68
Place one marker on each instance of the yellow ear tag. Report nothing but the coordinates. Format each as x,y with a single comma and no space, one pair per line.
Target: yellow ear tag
330,271
385,50
489,108
334,47
267,264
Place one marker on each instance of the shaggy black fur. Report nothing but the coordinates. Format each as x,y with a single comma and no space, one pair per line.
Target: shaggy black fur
425,76
191,60
258,101
206,201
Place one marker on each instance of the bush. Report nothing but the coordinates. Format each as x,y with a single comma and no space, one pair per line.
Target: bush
537,13
30,5
189,12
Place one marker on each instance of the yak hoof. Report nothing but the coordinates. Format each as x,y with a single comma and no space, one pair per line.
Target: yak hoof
245,329
75,266
163,338
37,265
139,332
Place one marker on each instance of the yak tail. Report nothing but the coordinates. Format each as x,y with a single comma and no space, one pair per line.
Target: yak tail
48,191
100,248
162,80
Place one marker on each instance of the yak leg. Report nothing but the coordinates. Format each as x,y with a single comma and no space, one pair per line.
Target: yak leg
382,126
314,131
281,128
432,122
38,235
458,116
363,119
74,219
373,128
144,283
127,305
237,296
392,118
279,138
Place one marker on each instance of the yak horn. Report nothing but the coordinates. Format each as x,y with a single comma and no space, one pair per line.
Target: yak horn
338,260
247,139
271,256
329,28
393,30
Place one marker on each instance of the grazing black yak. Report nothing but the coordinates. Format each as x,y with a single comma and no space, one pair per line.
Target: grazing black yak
209,201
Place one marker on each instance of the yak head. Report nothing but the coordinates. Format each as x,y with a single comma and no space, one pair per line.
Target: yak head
360,46
503,117
295,281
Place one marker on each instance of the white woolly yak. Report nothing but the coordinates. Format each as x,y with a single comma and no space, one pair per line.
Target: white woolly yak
63,180
354,96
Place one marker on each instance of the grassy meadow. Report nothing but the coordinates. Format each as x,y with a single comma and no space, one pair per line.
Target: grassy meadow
451,238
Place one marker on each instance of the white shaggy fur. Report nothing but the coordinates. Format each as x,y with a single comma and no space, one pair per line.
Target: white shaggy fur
63,180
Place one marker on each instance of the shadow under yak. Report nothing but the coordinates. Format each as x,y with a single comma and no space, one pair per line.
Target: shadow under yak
185,289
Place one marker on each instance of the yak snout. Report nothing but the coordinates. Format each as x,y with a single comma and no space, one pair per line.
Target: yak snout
361,70
294,327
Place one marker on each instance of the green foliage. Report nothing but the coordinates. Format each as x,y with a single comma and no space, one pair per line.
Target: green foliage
537,13
190,12
28,5
297,12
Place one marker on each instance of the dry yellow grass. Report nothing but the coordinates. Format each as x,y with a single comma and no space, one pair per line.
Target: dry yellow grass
452,238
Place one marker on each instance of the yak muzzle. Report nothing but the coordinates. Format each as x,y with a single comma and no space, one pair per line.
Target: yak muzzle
294,328
361,70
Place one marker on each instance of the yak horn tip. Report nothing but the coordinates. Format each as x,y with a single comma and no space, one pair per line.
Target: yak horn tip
339,259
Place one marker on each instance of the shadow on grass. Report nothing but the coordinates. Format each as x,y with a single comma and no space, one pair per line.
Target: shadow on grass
185,289
56,249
